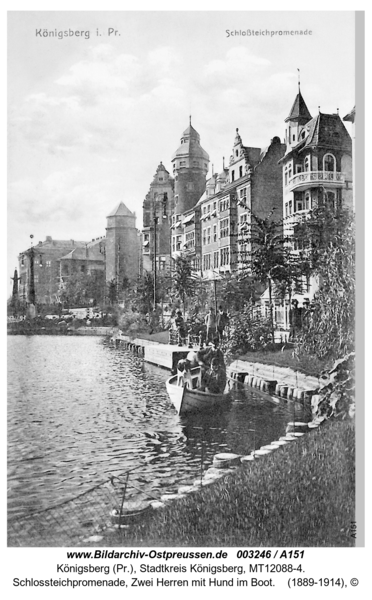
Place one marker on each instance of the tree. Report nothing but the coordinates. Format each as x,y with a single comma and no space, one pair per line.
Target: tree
328,328
265,262
184,285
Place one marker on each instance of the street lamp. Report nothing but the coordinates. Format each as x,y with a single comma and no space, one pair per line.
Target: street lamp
156,221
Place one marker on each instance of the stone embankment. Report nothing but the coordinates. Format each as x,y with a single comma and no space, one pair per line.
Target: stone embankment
281,381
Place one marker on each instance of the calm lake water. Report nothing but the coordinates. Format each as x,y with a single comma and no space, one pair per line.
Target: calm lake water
80,410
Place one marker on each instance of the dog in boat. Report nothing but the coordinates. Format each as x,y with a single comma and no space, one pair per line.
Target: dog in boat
184,372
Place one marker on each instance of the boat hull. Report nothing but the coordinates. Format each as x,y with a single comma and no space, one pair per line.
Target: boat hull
187,400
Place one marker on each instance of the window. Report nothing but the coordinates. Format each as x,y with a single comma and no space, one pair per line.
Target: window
240,171
215,260
178,242
190,240
225,256
182,163
236,152
286,209
162,264
215,233
294,137
161,178
22,261
208,235
329,163
299,205
206,262
298,168
330,199
232,175
307,201
214,205
224,204
196,263
174,243
224,228
48,263
204,237
307,163
243,193
290,207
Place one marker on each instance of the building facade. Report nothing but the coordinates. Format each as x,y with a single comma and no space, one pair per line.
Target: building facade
45,260
216,232
158,207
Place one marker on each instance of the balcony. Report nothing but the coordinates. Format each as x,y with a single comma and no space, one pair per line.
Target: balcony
308,179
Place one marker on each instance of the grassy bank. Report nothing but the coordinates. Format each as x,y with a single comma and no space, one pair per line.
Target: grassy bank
310,365
299,495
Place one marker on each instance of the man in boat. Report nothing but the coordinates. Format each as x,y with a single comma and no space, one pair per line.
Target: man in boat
216,378
205,357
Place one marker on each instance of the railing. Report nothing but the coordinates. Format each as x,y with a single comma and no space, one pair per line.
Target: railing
316,177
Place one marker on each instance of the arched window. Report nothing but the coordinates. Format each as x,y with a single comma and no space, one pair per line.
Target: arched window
329,162
307,163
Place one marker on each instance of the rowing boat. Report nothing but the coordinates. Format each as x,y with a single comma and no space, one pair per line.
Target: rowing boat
186,397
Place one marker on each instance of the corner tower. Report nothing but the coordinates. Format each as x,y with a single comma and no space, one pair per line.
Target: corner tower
122,246
297,118
190,168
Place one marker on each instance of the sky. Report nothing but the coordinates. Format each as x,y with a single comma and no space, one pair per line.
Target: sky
90,119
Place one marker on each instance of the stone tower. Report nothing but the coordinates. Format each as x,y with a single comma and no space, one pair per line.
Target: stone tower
122,246
190,168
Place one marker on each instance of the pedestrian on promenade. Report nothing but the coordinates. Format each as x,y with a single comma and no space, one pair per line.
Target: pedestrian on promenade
181,328
222,322
210,322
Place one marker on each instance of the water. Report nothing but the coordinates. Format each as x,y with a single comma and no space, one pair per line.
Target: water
80,410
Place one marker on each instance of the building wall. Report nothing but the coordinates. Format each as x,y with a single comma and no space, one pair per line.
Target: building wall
47,256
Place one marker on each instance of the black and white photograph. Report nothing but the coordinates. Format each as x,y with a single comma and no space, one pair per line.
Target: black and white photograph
181,290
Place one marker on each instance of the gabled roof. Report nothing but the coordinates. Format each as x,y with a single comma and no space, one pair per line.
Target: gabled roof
299,110
121,211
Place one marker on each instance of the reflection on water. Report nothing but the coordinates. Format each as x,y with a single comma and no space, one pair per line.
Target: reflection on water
80,411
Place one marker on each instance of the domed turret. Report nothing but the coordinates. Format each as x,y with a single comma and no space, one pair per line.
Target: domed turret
190,167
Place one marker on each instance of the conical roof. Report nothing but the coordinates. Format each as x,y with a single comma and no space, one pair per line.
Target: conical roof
190,145
121,211
299,111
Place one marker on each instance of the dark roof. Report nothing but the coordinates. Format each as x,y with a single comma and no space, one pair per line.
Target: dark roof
299,110
87,253
327,130
350,116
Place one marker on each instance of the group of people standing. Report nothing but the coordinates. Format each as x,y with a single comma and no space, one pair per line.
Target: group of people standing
216,323
214,326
